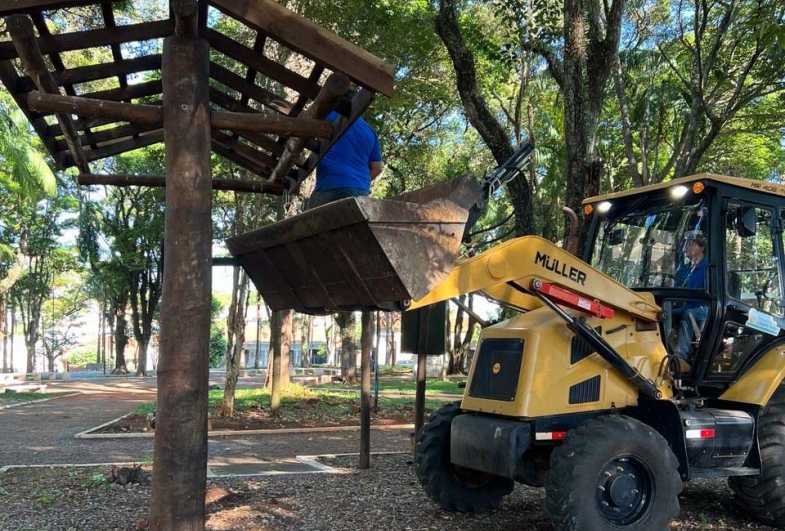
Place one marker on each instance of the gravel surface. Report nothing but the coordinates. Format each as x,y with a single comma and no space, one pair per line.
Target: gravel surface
385,497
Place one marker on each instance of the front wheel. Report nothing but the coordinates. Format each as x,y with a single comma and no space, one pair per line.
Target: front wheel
613,473
454,488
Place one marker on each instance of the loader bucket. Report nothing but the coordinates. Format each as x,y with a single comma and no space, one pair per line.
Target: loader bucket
356,253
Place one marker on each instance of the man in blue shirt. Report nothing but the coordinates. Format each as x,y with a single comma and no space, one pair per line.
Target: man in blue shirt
348,168
691,275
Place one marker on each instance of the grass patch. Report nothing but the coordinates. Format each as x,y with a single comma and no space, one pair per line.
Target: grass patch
13,398
403,386
298,403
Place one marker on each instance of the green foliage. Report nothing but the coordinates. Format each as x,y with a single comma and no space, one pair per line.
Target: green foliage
81,358
218,341
217,347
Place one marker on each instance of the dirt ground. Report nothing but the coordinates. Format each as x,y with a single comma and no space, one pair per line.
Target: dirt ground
387,497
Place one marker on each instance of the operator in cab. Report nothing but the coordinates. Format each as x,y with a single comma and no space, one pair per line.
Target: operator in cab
691,275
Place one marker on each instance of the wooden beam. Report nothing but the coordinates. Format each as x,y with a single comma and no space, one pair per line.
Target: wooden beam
21,29
275,125
11,7
259,63
335,87
159,181
79,40
137,113
153,115
312,41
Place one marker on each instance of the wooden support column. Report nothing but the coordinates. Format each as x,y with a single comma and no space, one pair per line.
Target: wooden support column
23,36
180,459
335,87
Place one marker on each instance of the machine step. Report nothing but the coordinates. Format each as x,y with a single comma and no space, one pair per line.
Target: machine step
723,472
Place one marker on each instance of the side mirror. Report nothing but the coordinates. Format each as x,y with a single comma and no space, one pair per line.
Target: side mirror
746,221
615,237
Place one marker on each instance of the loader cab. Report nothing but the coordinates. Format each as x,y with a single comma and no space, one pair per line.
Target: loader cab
720,321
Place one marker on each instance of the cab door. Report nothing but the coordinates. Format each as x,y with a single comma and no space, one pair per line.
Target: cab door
753,303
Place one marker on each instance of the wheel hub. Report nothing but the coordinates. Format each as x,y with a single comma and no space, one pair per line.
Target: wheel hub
624,490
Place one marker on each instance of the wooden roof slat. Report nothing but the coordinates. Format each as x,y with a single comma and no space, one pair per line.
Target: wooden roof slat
123,146
257,62
131,92
11,7
80,40
54,130
83,74
243,150
106,135
261,170
312,41
238,83
117,53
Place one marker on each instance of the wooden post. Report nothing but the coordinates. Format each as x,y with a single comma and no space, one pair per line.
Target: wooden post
365,391
180,463
419,396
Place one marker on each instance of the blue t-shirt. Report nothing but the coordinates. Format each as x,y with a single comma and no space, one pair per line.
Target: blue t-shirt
692,277
345,165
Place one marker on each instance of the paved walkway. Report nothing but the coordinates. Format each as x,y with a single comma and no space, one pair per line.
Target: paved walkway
43,433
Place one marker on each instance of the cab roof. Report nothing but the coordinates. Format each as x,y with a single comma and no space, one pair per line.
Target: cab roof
760,186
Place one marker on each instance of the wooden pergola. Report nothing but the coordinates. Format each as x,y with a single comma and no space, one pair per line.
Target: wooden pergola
198,91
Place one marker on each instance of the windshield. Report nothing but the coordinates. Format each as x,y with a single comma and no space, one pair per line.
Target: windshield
644,247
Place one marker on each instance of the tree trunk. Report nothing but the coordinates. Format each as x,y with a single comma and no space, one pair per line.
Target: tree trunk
286,346
391,339
141,364
235,327
305,341
3,331
276,325
346,325
120,340
478,113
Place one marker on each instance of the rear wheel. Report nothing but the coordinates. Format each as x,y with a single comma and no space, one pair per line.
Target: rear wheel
764,496
454,488
613,473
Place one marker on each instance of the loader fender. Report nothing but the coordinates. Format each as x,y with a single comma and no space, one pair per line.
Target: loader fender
758,384
489,444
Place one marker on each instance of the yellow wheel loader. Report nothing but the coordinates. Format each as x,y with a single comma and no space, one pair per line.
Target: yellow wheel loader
616,382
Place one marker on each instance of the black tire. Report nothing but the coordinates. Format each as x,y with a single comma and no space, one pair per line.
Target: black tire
763,497
613,473
454,488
